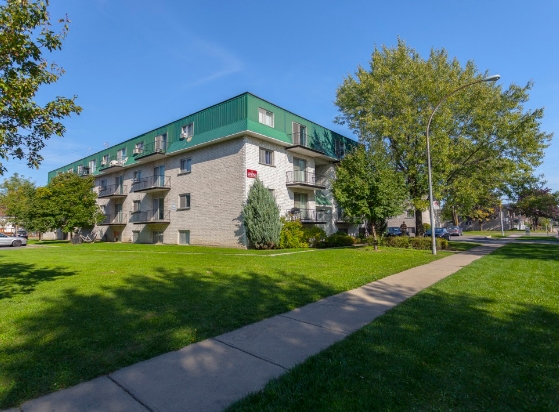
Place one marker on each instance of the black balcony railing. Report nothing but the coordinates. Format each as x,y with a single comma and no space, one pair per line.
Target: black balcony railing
115,219
304,178
150,148
112,190
151,216
83,171
308,215
152,182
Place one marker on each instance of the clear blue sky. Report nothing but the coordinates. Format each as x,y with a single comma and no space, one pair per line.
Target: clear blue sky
139,64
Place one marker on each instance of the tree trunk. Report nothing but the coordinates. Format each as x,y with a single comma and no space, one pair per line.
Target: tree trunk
455,216
375,240
419,223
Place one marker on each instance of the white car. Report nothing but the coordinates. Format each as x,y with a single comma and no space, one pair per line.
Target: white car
6,240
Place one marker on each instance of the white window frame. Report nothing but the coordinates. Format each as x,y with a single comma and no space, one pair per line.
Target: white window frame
266,155
136,206
187,131
137,176
105,160
92,166
121,154
187,201
266,117
187,162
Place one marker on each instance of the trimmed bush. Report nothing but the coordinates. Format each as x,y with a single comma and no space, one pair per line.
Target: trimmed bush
396,241
339,239
292,236
314,236
424,243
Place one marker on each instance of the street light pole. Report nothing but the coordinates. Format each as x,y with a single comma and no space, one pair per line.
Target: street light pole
493,78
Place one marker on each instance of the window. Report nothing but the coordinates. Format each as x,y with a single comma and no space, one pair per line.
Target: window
135,236
139,148
157,237
136,206
265,117
187,131
266,156
186,165
105,160
184,237
299,134
410,213
161,143
339,148
137,175
272,192
299,170
121,154
184,201
103,184
92,165
80,169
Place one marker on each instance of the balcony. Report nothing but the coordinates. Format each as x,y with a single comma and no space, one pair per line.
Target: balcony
150,152
298,179
151,216
112,191
312,216
83,171
109,165
119,219
302,146
152,184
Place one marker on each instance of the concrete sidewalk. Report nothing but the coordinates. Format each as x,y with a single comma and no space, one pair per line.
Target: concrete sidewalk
212,374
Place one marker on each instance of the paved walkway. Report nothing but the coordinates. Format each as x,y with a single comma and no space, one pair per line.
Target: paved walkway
212,374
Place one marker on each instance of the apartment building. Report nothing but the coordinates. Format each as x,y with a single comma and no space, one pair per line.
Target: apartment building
186,182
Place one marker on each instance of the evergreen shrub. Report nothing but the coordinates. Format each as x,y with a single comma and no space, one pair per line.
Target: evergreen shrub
261,217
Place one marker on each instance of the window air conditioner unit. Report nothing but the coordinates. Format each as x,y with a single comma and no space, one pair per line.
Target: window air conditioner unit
104,163
184,135
114,162
138,150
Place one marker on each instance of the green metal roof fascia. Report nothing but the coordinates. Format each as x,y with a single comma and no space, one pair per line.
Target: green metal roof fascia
207,137
321,199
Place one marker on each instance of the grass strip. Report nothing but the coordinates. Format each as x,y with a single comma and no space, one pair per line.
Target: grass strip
485,338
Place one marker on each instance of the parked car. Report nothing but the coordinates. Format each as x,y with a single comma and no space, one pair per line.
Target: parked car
454,230
22,233
6,240
395,231
439,232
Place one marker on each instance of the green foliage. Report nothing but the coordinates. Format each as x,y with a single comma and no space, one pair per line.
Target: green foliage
426,227
314,236
419,243
367,187
25,36
292,235
261,217
538,203
67,202
339,239
482,138
16,196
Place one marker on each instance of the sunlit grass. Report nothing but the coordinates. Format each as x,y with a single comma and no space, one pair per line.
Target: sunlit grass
483,339
72,313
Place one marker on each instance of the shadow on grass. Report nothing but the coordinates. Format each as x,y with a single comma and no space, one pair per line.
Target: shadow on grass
79,336
437,352
21,278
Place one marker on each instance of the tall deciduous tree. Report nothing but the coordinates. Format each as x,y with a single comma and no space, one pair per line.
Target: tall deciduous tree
261,217
67,202
16,196
482,134
537,203
25,37
368,188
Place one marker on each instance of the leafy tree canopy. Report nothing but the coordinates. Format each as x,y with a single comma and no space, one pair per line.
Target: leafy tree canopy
480,136
25,37
368,188
16,194
67,202
537,203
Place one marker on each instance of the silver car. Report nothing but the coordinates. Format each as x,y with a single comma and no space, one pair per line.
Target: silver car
6,240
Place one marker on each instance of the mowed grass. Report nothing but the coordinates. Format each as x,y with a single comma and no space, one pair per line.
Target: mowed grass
72,313
483,339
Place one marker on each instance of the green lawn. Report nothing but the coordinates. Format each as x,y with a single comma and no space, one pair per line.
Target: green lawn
72,313
483,339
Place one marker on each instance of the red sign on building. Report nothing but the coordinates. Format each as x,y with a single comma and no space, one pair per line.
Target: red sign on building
252,174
